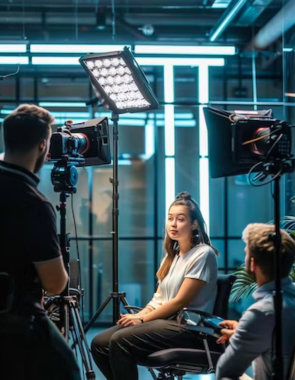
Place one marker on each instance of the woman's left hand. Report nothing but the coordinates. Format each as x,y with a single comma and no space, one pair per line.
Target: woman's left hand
129,320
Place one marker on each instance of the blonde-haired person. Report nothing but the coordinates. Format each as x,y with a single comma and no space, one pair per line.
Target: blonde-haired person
30,253
251,339
187,278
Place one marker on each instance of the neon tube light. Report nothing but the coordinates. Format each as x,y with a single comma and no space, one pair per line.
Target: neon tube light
185,50
230,16
203,81
55,48
13,48
169,182
14,60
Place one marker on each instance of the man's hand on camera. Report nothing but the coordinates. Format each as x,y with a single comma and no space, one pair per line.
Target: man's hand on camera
228,331
129,320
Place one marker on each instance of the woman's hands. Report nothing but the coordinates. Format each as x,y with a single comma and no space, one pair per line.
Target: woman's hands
130,320
228,331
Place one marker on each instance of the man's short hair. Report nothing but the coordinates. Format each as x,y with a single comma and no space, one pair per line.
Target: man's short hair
25,128
260,241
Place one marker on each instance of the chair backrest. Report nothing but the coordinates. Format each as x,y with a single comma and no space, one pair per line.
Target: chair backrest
224,285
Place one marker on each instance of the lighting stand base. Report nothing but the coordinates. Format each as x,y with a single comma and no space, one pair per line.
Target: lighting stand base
116,297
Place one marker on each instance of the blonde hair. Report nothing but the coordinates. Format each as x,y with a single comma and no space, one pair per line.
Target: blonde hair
259,238
26,127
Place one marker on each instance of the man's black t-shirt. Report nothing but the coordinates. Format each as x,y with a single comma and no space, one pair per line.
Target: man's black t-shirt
28,233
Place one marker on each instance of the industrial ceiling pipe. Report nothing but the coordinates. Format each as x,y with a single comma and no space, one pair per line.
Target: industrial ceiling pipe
278,25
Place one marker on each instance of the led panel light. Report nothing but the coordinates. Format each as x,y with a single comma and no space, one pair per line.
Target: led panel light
119,82
185,50
69,48
13,48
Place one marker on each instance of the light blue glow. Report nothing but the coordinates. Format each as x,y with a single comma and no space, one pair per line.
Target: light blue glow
169,110
68,48
149,139
14,60
62,104
157,61
203,90
13,48
184,50
68,61
178,123
144,61
169,182
204,190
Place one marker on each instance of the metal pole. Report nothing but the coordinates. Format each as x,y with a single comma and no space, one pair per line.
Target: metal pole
115,182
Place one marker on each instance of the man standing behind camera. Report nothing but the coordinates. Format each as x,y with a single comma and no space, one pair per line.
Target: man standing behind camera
31,346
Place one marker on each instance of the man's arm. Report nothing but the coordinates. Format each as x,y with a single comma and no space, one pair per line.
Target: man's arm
45,250
52,275
252,337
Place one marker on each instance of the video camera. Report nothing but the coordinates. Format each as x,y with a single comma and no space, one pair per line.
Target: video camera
79,144
88,141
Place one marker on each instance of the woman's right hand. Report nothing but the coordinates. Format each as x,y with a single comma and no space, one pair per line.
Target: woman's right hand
230,328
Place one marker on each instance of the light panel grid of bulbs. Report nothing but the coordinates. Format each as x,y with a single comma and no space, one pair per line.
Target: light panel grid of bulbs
116,79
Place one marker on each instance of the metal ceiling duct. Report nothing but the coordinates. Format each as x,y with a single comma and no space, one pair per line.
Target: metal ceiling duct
276,27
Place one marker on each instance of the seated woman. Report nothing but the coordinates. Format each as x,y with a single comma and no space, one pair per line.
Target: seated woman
187,278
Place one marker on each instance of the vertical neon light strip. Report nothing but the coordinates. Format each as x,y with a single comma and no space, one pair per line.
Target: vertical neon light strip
169,135
203,81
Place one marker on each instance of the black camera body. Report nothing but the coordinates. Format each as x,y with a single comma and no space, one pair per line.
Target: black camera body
86,143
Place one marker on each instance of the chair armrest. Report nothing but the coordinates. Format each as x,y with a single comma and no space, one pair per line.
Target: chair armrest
200,312
201,329
206,320
132,308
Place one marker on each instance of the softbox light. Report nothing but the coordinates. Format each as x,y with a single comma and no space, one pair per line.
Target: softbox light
240,139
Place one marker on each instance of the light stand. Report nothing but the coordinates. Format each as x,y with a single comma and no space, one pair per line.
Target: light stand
245,136
277,360
122,87
116,296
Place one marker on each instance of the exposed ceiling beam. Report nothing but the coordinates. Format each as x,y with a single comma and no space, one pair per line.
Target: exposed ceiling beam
252,12
227,18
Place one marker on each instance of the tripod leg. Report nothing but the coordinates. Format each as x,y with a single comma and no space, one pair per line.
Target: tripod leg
99,311
64,320
124,301
81,340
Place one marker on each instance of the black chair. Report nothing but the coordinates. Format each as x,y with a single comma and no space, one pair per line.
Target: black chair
177,362
6,292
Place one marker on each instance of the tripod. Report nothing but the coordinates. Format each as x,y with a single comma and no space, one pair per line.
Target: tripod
67,302
116,296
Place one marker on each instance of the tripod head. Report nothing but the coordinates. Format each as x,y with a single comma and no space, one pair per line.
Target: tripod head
64,175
